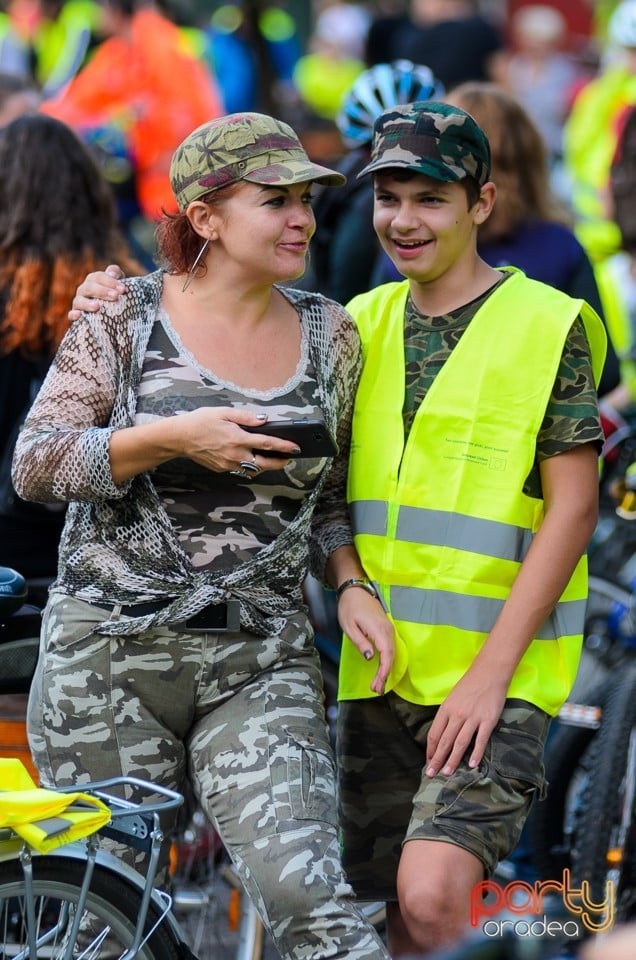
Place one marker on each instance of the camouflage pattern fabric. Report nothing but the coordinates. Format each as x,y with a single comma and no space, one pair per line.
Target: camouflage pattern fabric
572,415
222,520
242,146
118,544
243,718
385,798
436,139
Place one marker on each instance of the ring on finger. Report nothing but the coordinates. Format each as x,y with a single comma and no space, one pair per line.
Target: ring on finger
246,469
250,465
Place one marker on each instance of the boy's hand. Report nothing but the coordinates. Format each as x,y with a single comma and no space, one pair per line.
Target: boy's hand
100,285
469,713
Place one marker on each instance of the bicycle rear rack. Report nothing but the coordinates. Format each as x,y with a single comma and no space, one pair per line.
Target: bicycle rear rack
135,824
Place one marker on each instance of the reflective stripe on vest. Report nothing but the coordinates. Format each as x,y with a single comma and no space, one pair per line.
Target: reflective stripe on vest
439,608
420,525
490,538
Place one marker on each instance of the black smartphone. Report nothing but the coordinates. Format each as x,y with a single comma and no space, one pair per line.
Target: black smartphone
312,436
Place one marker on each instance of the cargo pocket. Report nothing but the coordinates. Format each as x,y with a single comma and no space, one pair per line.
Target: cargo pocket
516,756
310,777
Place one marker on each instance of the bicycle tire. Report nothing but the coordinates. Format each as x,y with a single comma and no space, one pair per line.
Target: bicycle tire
606,846
552,824
112,906
603,649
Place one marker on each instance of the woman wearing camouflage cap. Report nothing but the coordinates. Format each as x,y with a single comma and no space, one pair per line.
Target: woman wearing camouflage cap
176,641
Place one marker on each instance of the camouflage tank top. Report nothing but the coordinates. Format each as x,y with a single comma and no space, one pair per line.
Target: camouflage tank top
222,520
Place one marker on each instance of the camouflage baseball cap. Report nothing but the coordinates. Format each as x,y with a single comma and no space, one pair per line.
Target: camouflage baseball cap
433,138
242,146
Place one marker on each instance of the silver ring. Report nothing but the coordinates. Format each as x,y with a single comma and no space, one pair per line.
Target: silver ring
247,469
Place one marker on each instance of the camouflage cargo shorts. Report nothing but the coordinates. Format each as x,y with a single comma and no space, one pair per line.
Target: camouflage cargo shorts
239,716
385,798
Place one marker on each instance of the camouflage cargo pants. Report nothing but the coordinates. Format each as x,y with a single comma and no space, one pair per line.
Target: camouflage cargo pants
242,717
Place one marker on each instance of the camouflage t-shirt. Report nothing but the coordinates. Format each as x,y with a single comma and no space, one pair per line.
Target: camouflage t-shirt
220,519
572,415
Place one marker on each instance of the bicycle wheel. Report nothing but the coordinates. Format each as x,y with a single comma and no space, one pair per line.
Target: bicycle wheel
108,922
553,822
604,646
605,849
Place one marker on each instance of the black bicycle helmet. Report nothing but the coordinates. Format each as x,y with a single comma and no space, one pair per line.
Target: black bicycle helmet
381,87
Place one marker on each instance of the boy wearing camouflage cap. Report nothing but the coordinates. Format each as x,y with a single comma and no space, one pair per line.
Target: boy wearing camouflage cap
473,493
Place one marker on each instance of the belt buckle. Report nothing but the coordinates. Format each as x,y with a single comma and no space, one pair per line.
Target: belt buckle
232,619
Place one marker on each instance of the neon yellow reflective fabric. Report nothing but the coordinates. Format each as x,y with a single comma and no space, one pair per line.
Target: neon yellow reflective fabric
61,44
589,142
613,279
46,819
441,524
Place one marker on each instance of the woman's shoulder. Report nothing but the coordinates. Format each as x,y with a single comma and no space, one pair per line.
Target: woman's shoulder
329,328
533,234
142,292
540,229
310,302
150,283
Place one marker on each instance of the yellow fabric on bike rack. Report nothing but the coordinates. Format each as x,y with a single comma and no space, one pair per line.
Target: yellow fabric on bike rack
45,819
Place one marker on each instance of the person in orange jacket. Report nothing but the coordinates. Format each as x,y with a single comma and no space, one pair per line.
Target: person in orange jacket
145,81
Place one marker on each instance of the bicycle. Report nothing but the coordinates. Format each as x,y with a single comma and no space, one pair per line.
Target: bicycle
81,901
588,822
20,622
605,848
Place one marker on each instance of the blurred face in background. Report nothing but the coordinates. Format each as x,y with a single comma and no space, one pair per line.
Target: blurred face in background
434,11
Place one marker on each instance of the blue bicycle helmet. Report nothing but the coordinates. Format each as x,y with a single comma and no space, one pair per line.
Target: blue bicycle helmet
621,29
377,89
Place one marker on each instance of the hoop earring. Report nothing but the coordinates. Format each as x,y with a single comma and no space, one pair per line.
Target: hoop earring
191,271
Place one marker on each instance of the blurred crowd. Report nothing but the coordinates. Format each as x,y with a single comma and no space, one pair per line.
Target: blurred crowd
133,76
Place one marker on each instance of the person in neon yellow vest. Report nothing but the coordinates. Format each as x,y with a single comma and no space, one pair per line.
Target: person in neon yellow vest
473,491
591,131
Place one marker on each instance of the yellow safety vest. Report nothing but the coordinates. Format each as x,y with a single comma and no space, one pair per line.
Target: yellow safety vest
441,523
45,819
613,277
589,141
61,45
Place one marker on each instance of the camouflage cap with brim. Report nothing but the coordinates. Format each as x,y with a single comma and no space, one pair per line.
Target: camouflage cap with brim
242,146
432,138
